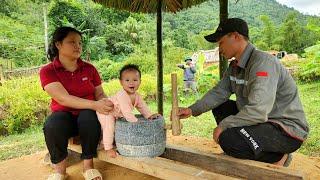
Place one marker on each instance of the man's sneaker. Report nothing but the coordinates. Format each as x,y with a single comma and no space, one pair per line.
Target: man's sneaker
288,160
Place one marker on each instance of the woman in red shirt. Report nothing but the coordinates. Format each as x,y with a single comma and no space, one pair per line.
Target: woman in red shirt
76,94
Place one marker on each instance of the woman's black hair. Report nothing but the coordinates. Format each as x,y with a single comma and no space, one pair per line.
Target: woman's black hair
130,67
59,34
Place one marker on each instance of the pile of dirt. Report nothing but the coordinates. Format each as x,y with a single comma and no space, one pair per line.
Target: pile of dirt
32,166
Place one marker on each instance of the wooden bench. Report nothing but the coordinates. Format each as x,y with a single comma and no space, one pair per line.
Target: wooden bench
74,140
184,163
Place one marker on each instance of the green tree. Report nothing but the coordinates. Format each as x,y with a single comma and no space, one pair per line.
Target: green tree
181,38
8,7
200,43
268,33
313,26
117,42
291,32
255,35
63,9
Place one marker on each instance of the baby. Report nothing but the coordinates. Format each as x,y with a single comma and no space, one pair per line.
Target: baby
124,102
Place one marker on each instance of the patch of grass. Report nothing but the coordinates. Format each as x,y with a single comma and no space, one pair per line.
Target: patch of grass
16,145
310,97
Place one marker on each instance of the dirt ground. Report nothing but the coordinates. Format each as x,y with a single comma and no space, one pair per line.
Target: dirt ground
32,166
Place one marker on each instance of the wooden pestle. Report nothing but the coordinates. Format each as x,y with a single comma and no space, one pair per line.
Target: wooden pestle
176,126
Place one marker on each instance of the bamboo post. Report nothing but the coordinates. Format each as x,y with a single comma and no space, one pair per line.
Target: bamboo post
45,28
88,56
159,58
223,62
176,127
1,74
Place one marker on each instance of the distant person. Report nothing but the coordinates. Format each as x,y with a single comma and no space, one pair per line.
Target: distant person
76,94
189,70
266,122
124,102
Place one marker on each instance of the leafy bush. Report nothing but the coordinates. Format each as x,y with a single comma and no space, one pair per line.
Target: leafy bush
59,10
148,88
23,103
208,79
307,69
102,66
7,7
311,71
111,87
112,71
21,43
147,62
118,42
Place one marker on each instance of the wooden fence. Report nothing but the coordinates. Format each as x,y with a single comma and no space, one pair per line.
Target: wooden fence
5,74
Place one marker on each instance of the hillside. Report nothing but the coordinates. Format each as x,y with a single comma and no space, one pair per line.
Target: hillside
206,15
112,32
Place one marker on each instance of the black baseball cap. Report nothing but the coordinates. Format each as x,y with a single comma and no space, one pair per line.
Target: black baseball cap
187,59
230,25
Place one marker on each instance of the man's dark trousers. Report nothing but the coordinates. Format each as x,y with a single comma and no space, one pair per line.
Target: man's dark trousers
265,142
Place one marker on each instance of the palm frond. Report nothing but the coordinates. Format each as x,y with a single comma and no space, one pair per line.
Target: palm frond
149,6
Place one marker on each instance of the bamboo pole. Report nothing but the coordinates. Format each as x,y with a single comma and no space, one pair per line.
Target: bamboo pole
159,58
1,75
45,28
223,62
176,126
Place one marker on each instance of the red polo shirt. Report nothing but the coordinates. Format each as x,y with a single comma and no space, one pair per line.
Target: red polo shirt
80,83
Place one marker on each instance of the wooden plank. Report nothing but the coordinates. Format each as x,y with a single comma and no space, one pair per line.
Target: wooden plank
157,167
229,166
74,140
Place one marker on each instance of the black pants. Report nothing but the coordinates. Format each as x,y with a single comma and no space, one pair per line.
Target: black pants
265,142
60,126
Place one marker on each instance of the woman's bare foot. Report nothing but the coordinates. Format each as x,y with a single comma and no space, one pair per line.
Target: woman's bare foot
61,167
88,164
111,153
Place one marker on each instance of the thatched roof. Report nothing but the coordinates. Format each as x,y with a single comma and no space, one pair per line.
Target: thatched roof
148,6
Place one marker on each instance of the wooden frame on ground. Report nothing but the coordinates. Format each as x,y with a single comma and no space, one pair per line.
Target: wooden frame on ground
184,163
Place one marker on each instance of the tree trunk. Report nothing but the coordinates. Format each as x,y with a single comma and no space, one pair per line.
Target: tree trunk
223,63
